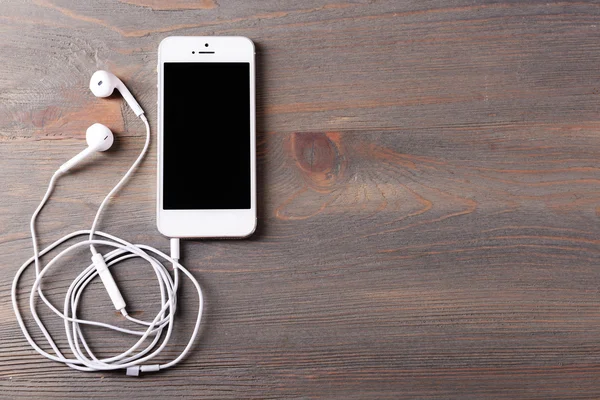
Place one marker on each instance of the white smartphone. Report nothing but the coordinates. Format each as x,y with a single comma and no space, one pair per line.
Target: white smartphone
206,137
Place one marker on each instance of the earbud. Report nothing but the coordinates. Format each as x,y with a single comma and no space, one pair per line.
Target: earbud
98,138
103,84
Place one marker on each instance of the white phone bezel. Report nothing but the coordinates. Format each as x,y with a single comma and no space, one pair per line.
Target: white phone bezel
206,223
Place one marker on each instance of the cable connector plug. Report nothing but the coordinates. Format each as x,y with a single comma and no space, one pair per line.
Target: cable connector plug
175,253
136,369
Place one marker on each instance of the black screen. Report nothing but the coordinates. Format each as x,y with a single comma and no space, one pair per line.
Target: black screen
206,136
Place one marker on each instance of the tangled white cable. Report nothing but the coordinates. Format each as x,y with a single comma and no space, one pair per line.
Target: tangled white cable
135,359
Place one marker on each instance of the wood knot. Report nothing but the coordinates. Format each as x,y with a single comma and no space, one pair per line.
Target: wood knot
318,156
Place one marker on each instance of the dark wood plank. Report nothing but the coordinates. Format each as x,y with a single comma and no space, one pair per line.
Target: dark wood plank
429,197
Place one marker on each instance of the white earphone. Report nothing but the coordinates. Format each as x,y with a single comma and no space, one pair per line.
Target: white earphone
103,83
100,138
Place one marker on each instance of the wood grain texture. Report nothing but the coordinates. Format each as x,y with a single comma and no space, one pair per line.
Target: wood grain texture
429,196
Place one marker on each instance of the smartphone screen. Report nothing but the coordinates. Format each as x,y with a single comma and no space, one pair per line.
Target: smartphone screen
206,136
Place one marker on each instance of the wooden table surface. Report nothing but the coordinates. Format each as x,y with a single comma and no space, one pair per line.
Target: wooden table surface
429,196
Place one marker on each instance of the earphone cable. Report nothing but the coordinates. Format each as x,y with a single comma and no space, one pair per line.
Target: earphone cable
133,360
